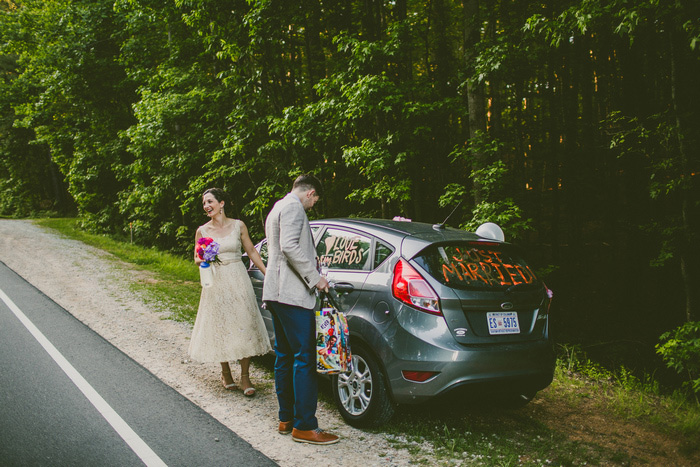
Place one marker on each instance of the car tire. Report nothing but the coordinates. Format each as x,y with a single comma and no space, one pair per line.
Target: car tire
361,395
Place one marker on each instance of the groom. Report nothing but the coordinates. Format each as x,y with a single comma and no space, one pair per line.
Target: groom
291,279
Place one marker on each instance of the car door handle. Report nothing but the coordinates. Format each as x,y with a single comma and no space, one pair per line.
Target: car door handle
343,287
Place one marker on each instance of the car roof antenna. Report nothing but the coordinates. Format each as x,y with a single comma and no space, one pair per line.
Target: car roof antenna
442,226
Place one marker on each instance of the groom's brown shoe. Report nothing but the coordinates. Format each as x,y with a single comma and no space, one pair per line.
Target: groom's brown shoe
285,427
316,436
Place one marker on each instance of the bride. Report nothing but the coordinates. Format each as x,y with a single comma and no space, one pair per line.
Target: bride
228,326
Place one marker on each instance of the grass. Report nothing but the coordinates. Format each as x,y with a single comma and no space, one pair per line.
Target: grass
483,434
168,283
628,396
459,429
478,432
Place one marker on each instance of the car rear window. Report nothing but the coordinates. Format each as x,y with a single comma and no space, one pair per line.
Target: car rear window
472,265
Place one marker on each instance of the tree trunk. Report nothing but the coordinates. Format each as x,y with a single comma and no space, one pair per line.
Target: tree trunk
475,90
687,248
405,71
315,58
372,19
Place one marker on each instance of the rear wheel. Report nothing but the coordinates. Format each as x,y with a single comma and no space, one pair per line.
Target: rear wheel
361,395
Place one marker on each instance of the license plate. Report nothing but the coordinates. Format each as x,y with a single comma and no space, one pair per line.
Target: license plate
503,322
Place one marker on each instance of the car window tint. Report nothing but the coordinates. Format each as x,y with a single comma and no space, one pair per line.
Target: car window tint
472,265
381,252
341,249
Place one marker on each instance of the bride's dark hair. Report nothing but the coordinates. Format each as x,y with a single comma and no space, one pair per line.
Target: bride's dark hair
218,193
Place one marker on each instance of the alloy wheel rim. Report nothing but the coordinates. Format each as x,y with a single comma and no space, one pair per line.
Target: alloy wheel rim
355,387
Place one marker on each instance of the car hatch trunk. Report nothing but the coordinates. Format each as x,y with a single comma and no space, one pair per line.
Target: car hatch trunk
512,317
488,294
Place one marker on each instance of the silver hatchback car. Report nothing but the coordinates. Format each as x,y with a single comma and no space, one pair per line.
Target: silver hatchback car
430,310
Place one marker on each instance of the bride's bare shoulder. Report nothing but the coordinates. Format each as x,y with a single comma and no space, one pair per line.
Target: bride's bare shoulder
203,227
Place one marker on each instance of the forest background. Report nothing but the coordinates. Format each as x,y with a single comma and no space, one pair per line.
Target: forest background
572,124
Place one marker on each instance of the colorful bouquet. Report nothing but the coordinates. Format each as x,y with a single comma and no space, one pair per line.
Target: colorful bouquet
208,250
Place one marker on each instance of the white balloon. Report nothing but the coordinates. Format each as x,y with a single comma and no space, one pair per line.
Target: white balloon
492,231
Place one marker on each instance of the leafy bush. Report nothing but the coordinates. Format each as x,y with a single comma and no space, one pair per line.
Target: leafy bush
680,350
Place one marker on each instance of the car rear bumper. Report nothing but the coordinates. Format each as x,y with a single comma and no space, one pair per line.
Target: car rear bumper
524,367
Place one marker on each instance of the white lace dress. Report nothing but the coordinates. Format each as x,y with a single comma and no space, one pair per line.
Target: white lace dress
228,325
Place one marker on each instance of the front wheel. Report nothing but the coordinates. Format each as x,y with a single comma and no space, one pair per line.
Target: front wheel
361,395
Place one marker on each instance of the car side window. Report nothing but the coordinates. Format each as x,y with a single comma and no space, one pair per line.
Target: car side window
342,249
381,252
263,252
263,255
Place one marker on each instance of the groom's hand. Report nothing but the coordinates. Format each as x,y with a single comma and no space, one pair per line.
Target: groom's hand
323,284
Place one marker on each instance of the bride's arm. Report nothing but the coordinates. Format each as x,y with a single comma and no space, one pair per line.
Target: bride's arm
250,249
197,236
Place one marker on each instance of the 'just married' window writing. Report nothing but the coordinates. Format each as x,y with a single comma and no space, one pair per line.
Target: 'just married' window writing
469,265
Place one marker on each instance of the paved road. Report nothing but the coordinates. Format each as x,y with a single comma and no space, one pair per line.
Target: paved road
68,397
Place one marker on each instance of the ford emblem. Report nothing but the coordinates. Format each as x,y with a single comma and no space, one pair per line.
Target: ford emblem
506,306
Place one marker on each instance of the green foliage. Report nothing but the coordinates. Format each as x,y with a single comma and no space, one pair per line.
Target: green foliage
74,97
454,193
367,128
489,187
32,184
374,161
172,143
692,27
654,142
680,350
505,213
490,179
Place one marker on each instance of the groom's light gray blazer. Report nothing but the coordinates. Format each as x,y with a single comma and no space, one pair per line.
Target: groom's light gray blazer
291,263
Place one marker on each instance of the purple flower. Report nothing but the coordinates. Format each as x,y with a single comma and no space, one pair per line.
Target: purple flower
208,251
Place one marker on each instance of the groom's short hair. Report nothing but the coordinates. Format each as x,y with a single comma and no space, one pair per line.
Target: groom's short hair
308,182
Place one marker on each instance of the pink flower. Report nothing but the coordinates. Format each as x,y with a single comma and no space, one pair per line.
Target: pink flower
206,241
208,250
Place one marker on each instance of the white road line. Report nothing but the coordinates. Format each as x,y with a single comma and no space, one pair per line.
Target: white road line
141,449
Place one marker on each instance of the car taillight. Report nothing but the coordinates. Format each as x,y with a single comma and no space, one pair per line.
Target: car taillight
410,287
418,376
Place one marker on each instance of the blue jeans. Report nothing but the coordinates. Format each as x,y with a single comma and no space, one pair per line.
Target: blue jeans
295,365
